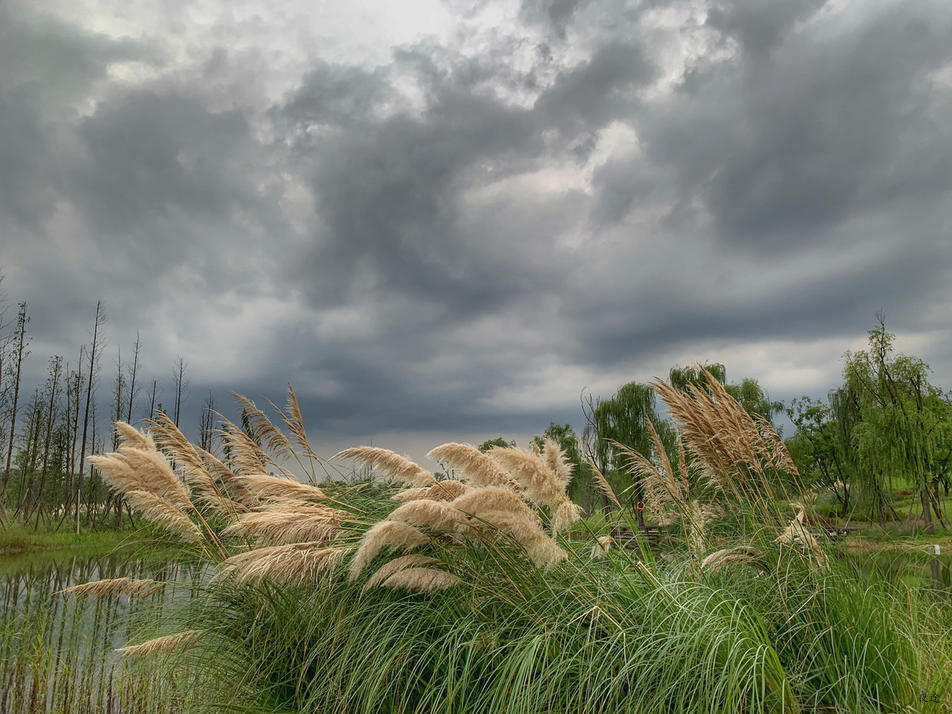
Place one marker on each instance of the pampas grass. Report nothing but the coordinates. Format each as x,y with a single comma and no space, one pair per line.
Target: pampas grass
294,563
384,535
475,467
395,565
397,467
176,642
140,587
437,516
264,486
440,491
166,514
421,580
288,522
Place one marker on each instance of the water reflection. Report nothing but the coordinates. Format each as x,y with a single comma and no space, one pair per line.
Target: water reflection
56,651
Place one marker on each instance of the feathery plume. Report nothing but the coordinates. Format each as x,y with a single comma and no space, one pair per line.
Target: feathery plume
422,580
384,534
797,534
159,510
435,515
268,487
176,642
602,546
564,515
134,469
603,484
395,565
263,428
398,467
494,499
744,555
244,452
555,459
295,423
283,564
474,466
531,472
445,490
130,436
296,522
540,548
142,587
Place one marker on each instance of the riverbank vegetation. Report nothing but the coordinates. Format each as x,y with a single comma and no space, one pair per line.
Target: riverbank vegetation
483,588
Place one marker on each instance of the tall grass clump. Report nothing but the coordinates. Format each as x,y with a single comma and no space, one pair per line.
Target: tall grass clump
464,592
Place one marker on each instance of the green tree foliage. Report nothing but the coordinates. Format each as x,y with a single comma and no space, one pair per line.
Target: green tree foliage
492,443
905,427
748,391
821,447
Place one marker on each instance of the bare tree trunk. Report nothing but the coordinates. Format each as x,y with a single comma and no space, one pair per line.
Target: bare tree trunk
152,403
22,320
56,365
178,377
89,393
132,381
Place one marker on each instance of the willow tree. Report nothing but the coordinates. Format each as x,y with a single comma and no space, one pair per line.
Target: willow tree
905,427
622,419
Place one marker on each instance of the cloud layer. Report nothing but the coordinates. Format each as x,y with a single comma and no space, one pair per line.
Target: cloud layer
457,217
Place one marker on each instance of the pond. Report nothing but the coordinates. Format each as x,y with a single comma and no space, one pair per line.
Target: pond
57,650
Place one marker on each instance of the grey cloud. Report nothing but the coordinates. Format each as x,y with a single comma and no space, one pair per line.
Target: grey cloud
446,247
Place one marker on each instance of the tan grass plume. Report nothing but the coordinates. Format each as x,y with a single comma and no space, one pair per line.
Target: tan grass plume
293,563
474,466
401,563
141,587
396,466
176,642
421,580
383,535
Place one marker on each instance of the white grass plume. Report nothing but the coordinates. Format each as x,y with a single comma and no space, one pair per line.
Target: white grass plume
602,545
421,580
445,490
554,458
382,535
288,523
387,569
434,515
176,642
474,466
396,466
494,499
159,510
265,486
540,548
531,472
293,563
141,587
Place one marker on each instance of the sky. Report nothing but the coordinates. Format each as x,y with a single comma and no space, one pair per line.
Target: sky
445,220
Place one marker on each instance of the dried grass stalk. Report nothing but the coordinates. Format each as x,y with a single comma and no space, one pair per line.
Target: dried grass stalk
396,565
294,563
396,466
385,534
142,587
176,642
244,452
421,580
474,466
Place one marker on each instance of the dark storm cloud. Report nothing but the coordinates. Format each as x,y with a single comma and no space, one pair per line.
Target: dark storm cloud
513,210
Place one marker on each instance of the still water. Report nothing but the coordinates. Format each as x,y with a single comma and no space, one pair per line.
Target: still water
57,651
